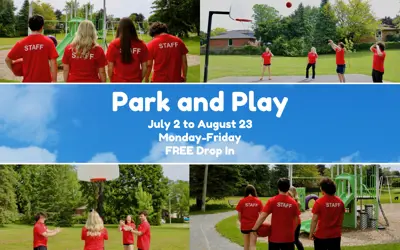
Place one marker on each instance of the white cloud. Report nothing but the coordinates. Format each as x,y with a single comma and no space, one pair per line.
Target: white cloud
176,171
108,157
244,152
354,157
26,112
26,155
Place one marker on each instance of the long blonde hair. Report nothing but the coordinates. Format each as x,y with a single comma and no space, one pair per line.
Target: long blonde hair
85,38
313,49
94,224
293,193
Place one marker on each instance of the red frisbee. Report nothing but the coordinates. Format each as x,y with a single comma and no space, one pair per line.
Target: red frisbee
264,230
17,68
288,4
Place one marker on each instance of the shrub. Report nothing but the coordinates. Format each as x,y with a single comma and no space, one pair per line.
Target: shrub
221,206
366,46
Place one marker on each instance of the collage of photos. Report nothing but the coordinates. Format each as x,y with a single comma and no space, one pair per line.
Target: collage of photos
327,41
99,41
93,207
287,207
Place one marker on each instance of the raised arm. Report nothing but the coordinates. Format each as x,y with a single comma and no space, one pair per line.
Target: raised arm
333,45
373,46
378,50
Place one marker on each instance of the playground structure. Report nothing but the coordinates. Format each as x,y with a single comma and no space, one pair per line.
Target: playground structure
71,27
388,178
353,187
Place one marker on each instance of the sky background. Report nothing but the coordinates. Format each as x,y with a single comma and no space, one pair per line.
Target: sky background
243,9
118,8
321,123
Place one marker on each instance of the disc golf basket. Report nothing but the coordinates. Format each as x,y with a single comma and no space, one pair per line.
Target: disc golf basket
98,174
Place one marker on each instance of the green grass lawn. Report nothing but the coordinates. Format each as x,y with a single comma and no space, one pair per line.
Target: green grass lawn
357,63
166,237
228,229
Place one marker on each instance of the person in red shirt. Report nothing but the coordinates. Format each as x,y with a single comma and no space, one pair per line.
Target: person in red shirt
84,60
266,63
94,233
127,227
143,232
285,213
293,193
312,61
127,55
38,53
328,213
41,233
378,64
340,62
248,210
167,56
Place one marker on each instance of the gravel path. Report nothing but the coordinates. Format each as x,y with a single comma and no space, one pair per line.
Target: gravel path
204,236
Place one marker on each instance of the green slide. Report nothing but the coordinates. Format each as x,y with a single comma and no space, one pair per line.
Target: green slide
62,45
305,226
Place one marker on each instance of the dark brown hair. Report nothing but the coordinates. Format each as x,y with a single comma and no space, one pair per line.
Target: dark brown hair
341,45
158,28
144,213
38,215
381,46
328,186
126,33
250,190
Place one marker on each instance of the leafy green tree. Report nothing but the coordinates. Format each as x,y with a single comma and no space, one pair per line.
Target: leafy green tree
144,199
7,18
179,195
8,207
218,31
355,20
325,27
22,19
47,11
266,21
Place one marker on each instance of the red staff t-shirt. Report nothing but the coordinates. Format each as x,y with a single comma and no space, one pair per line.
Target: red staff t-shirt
330,211
249,208
267,57
131,72
166,51
127,236
38,239
94,242
312,58
284,210
144,239
36,50
84,68
379,61
340,56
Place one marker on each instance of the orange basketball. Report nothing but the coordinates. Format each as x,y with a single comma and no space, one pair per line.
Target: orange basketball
17,68
264,230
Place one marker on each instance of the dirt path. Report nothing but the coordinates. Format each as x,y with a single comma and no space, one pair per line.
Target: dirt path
6,74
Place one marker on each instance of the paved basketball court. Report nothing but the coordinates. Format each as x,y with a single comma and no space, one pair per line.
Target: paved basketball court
351,78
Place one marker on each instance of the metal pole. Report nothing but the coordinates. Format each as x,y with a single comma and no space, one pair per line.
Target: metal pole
377,192
390,195
86,12
210,15
104,23
203,203
291,174
30,15
170,208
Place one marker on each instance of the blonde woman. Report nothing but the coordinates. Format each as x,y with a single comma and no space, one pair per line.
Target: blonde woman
293,193
84,60
266,63
94,233
312,61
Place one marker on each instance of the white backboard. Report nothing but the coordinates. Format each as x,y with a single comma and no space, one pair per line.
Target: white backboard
87,172
242,9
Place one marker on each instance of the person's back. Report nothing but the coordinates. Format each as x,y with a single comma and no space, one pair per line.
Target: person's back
249,208
330,210
168,54
284,210
35,50
94,242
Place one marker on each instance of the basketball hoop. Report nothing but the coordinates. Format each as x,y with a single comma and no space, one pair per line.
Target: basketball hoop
243,20
98,180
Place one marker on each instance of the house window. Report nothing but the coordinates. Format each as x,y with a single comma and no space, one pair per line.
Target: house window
230,42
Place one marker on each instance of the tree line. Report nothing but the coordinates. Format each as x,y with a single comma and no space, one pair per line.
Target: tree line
231,180
55,190
181,16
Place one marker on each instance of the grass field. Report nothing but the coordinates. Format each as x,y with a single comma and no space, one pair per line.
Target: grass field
218,206
357,63
226,229
166,237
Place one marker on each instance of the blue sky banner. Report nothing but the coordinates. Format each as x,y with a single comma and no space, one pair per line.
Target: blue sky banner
191,123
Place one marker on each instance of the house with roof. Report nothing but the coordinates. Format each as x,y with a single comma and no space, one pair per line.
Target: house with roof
381,34
232,38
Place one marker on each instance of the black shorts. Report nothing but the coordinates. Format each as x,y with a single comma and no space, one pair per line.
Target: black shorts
327,244
341,68
246,231
128,244
267,64
40,248
280,246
